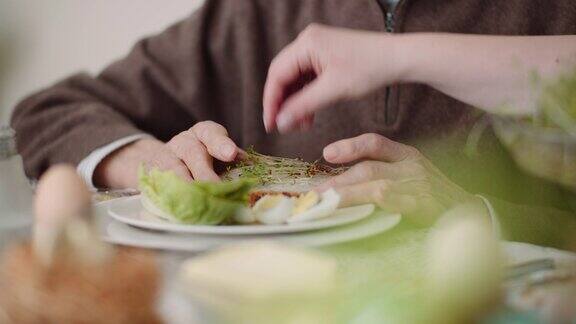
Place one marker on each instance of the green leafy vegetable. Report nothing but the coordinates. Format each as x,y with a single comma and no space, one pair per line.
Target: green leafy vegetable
199,203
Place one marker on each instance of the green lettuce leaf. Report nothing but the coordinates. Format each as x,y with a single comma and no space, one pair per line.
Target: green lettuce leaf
199,203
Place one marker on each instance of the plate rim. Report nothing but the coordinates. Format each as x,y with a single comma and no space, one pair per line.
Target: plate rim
230,230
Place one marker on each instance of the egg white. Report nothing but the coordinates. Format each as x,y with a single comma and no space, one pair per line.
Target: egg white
273,209
328,204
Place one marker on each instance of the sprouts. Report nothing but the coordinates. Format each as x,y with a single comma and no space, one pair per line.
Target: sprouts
274,170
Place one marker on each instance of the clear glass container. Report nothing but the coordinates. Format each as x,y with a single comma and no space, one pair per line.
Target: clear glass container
7,143
547,152
15,190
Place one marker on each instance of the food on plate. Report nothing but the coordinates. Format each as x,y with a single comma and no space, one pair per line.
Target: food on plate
254,196
280,174
273,209
260,189
278,208
200,203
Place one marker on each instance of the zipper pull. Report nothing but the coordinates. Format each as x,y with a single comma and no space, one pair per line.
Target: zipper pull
390,21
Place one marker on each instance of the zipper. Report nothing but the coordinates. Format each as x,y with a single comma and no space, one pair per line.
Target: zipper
390,24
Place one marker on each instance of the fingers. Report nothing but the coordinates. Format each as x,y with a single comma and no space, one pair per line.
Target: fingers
168,161
306,123
215,138
371,170
379,192
368,146
119,169
284,71
315,96
359,194
189,149
360,172
197,146
285,109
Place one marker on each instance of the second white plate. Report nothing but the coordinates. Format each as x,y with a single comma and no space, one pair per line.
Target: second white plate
129,211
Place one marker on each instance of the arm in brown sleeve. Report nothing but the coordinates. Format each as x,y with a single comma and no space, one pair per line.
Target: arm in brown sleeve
162,87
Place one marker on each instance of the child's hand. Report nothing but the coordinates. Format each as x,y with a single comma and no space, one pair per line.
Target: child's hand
322,66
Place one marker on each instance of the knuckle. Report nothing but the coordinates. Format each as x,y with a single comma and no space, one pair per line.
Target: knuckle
201,124
206,128
172,164
349,147
421,186
200,127
312,33
173,144
380,192
163,162
416,168
176,145
274,66
412,152
365,170
371,141
179,168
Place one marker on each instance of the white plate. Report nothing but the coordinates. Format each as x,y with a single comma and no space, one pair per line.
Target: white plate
117,232
129,211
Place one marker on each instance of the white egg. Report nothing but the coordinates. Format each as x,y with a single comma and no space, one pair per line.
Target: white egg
305,202
244,215
273,209
328,204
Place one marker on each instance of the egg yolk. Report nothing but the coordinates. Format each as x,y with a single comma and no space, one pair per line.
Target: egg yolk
305,202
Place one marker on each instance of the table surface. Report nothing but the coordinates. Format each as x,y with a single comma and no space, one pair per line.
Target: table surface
393,259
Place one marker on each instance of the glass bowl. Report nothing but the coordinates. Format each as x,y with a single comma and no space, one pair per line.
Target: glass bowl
546,152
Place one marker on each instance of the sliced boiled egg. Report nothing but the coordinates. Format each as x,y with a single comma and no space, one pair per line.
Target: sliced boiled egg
305,202
325,207
244,215
273,209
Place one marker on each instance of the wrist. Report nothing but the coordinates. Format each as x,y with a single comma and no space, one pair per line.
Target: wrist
117,170
409,54
106,174
391,59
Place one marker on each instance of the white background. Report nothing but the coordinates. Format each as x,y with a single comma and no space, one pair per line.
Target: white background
42,41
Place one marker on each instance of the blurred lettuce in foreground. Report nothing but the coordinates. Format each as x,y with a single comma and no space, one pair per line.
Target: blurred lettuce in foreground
199,203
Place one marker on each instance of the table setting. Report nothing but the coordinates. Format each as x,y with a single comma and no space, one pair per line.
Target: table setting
192,274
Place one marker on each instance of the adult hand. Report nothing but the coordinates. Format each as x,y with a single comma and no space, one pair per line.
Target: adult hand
189,154
394,176
341,64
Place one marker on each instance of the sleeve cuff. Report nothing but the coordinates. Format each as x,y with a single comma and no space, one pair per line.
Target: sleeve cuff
88,165
493,215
